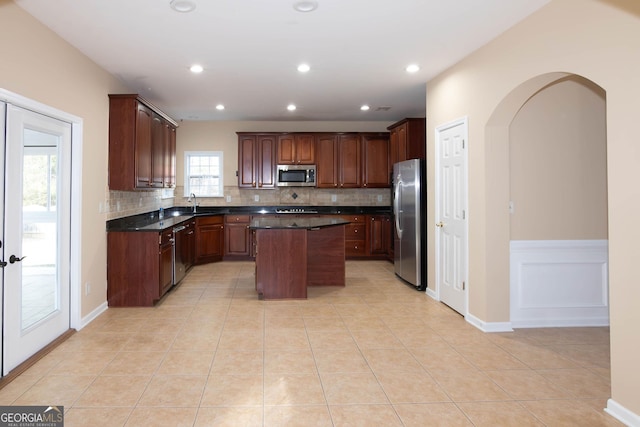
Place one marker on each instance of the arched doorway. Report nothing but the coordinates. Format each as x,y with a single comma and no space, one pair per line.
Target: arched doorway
551,133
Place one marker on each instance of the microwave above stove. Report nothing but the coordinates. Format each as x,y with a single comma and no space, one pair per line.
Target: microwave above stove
296,176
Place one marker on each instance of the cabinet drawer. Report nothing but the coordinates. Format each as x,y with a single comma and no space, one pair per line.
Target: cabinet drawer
235,219
354,232
354,248
353,218
210,220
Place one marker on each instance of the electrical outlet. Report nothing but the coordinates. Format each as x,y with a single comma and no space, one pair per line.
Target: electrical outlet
87,288
228,198
334,198
256,198
379,197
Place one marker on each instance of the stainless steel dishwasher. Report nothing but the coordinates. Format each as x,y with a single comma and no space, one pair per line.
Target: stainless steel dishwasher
179,239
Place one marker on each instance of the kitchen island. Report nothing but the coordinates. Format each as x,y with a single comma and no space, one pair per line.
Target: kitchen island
294,253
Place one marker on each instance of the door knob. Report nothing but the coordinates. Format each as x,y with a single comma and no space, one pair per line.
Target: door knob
440,224
14,258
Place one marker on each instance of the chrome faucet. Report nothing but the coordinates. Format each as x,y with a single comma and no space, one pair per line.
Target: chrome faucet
194,201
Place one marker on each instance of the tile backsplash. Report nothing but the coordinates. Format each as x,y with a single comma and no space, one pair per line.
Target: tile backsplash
120,204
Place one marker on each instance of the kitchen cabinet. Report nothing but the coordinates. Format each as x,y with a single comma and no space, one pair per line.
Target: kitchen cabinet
237,237
209,239
139,267
407,140
141,145
166,261
375,163
378,236
189,246
256,160
339,161
296,149
355,236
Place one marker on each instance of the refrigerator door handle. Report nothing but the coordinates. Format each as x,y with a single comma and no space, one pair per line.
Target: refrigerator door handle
396,206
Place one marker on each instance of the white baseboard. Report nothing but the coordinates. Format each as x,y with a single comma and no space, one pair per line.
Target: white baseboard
558,283
432,294
95,313
488,326
622,414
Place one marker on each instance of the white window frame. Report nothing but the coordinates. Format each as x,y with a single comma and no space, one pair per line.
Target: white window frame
187,156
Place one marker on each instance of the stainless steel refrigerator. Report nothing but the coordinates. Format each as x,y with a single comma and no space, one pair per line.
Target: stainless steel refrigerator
409,220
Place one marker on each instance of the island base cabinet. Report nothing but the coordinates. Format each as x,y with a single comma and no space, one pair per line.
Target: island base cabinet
281,259
326,256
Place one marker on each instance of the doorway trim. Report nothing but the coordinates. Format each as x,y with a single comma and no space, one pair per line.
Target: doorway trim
76,191
464,122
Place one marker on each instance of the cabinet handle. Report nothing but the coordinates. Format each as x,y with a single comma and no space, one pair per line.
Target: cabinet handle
253,184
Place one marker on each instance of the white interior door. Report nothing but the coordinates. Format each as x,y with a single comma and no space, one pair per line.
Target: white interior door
36,244
451,209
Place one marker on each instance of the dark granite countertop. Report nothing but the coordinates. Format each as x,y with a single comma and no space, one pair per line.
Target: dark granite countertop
296,223
173,216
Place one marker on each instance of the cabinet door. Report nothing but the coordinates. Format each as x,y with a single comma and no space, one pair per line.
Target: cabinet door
170,156
350,161
166,268
159,145
286,150
143,147
305,152
246,161
266,161
236,238
378,235
327,161
209,239
189,245
376,161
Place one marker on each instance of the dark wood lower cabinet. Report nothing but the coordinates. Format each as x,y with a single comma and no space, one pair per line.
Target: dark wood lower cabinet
139,267
189,246
378,236
237,237
209,239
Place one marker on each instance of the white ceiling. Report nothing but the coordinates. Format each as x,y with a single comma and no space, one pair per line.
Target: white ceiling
357,50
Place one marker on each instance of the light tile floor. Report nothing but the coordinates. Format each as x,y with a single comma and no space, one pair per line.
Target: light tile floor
375,353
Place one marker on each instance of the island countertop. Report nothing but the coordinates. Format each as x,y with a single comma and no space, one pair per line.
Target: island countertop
296,223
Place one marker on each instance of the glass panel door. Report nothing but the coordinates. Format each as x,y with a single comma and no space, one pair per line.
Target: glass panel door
36,233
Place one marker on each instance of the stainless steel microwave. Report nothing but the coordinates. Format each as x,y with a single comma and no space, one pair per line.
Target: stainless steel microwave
296,176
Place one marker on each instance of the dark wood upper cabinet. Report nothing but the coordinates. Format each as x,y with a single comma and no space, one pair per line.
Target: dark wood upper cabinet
141,145
326,155
339,161
296,149
256,160
375,170
349,161
407,140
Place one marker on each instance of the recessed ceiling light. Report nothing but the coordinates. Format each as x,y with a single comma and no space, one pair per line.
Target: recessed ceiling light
413,68
304,68
182,6
305,5
291,107
219,107
196,68
365,108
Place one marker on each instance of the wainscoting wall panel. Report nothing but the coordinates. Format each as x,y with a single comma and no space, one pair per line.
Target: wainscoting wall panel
559,283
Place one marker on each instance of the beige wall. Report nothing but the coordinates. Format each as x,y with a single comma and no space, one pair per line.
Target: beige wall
488,87
557,164
37,64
